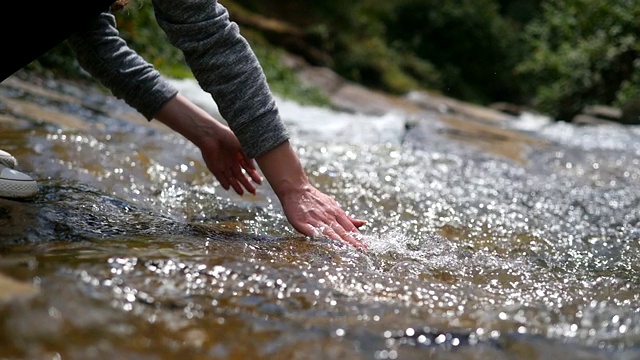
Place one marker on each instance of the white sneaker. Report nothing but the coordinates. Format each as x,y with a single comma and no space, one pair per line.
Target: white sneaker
13,183
7,159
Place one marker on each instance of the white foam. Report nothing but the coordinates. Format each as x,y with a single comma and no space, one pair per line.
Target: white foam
315,123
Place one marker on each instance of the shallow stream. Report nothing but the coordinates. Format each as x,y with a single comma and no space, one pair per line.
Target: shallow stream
133,250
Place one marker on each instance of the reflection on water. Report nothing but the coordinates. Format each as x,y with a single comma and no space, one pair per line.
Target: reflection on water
135,251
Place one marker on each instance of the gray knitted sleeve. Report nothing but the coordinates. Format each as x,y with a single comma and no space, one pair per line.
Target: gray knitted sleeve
226,67
105,55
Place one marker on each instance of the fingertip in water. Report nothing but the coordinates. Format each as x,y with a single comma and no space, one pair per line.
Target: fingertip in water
358,223
356,243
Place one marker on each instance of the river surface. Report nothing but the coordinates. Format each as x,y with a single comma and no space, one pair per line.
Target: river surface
132,250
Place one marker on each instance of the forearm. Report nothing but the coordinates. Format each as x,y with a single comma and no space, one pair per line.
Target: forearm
187,119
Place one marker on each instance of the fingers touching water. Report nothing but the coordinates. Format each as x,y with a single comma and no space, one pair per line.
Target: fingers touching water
313,213
309,211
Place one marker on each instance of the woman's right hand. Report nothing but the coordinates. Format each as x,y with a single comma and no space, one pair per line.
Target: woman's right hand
308,210
228,163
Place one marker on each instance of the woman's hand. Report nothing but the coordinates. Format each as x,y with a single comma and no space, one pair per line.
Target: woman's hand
313,213
228,163
219,146
309,211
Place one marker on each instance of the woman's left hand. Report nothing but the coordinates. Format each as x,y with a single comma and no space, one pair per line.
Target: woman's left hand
219,146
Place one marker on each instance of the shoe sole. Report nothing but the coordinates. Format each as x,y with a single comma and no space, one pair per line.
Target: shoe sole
18,189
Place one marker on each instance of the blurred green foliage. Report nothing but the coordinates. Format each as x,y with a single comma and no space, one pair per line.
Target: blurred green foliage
471,44
555,55
138,27
284,82
582,52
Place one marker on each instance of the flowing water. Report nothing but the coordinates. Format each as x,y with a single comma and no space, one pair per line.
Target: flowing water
133,250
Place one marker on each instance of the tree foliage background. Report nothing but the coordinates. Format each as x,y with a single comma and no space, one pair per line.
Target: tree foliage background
582,52
556,56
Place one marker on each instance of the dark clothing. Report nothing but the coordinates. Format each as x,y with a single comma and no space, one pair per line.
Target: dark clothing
219,57
101,51
31,28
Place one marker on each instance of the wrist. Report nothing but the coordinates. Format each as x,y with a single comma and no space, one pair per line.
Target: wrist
184,117
295,188
283,170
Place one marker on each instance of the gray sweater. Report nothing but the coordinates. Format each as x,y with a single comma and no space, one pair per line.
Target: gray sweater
220,58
